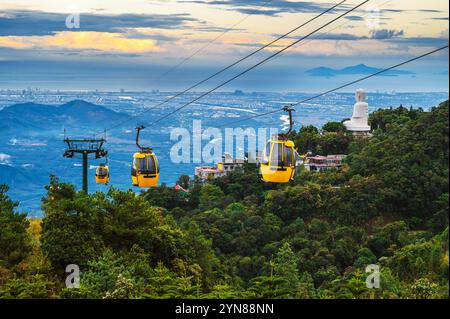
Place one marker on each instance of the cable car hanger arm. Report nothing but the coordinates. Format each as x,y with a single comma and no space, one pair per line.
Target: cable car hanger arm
289,109
142,148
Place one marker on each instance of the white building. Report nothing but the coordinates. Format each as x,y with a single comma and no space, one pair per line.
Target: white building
227,165
320,163
359,123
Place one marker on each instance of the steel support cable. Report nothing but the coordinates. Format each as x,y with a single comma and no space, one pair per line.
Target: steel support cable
207,44
339,87
227,68
258,64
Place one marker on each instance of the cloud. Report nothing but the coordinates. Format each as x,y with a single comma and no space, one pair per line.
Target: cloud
264,7
337,36
354,18
101,41
421,41
330,36
377,43
217,29
335,47
383,34
442,73
28,23
259,11
429,10
5,159
148,33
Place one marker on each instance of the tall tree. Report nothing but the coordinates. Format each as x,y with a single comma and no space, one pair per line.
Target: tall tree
14,240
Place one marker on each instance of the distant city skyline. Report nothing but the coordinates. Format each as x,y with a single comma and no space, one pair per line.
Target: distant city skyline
133,46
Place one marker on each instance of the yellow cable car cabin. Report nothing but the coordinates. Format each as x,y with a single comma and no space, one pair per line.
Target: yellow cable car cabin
145,168
102,174
279,159
279,162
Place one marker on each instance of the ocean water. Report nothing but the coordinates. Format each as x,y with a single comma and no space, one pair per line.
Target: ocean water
27,159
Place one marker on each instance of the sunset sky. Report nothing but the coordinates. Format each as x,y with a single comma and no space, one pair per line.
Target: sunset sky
132,44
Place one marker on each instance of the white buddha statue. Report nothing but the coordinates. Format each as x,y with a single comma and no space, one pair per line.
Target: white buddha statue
359,122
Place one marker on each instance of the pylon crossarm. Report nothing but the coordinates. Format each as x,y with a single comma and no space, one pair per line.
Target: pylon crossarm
85,147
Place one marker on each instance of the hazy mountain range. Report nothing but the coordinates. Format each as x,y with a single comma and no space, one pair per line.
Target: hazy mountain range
361,69
32,117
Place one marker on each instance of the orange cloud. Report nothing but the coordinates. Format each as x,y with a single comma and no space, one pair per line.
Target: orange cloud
102,41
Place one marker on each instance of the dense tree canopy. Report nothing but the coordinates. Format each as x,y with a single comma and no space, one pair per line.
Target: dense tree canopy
333,139
237,237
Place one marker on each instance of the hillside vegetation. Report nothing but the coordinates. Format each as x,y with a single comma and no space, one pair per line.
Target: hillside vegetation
236,237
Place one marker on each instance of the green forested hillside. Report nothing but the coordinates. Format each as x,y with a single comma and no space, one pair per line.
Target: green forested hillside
236,237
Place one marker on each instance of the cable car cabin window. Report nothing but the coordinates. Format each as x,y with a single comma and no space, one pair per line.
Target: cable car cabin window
102,172
142,165
287,159
281,156
133,167
277,156
266,154
146,165
151,165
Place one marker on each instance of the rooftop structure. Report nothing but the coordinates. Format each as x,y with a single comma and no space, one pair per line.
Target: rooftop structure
227,165
322,163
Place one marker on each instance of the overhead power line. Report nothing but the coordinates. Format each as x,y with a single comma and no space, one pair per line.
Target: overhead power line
339,87
258,64
208,44
226,68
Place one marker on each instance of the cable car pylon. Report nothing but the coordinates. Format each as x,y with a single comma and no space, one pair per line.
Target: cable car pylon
85,147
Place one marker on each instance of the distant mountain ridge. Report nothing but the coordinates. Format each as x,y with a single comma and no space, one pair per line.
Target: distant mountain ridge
15,178
355,69
36,117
